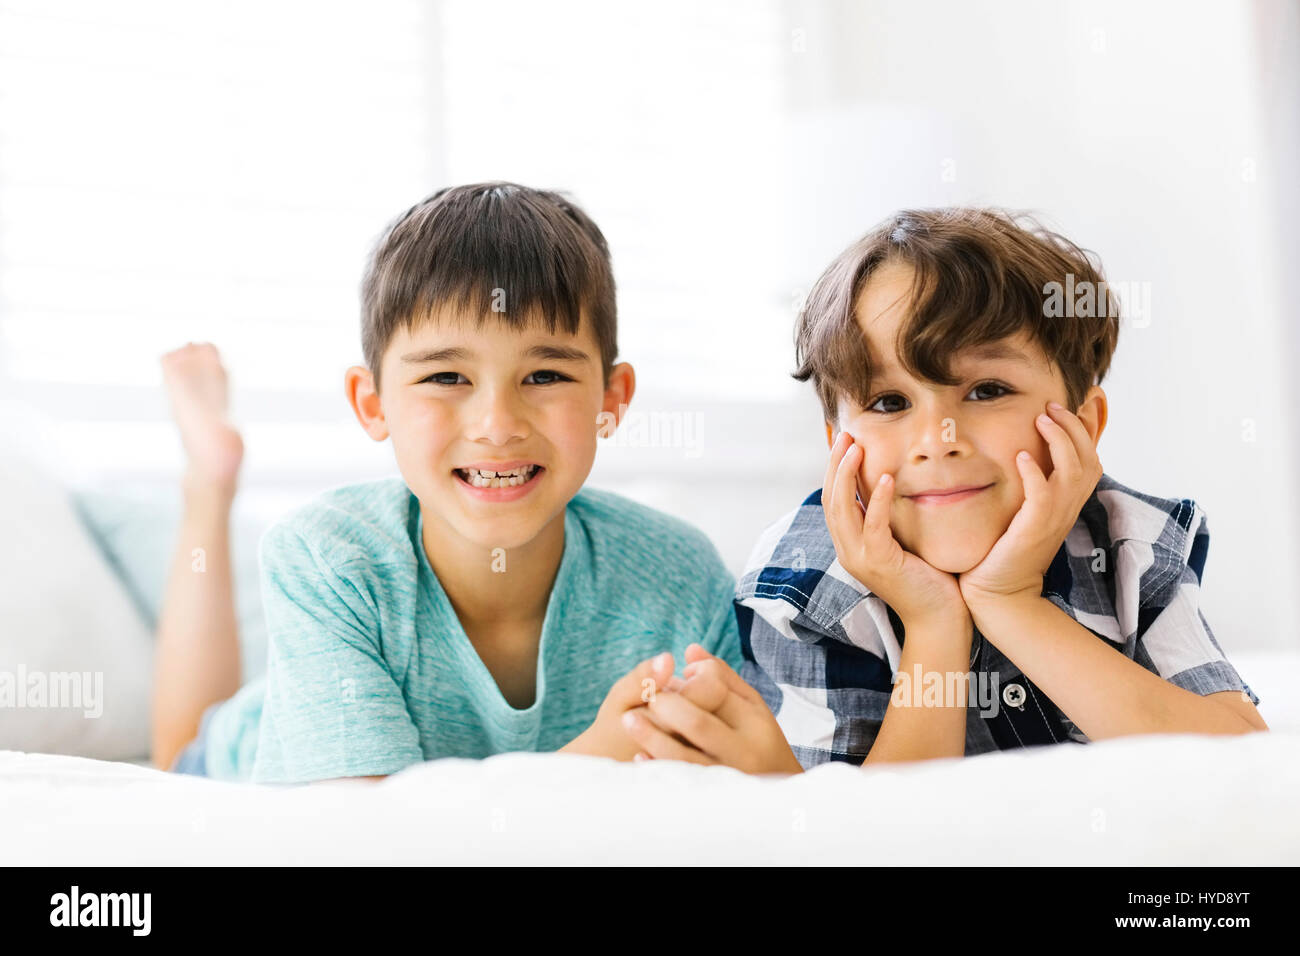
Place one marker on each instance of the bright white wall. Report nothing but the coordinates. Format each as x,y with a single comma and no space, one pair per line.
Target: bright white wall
1139,131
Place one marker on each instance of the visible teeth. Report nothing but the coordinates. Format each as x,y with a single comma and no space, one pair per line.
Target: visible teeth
497,479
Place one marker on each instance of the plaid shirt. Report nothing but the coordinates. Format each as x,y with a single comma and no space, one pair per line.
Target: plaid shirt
823,650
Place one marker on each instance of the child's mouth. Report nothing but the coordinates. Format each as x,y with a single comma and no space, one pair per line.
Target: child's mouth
509,478
950,497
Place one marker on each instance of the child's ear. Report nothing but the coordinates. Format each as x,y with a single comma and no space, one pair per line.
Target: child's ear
618,393
830,435
1092,412
359,385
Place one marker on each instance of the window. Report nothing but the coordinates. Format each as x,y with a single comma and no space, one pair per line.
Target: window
220,171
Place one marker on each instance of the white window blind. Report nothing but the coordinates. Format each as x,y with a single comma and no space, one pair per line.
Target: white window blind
200,171
220,171
667,121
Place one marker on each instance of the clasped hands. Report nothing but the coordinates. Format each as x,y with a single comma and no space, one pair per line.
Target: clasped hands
709,715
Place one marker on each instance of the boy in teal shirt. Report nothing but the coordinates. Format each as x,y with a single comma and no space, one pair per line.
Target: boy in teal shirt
484,602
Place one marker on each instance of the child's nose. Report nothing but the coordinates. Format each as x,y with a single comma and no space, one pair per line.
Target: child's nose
499,417
939,434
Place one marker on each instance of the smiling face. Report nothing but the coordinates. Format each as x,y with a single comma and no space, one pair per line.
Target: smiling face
938,438
463,400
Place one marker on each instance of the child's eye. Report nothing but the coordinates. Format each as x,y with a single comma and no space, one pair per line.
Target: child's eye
891,397
998,388
983,392
441,378
548,377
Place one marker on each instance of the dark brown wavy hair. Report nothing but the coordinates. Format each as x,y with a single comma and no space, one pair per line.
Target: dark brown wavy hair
979,275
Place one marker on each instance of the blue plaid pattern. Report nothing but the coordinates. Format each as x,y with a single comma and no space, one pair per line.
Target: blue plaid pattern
822,650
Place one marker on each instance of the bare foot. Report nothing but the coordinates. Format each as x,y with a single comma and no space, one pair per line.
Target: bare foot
196,387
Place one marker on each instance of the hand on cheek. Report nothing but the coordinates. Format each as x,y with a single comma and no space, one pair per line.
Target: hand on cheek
874,464
1053,496
860,521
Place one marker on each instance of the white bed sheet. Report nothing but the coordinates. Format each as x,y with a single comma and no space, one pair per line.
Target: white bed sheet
1184,799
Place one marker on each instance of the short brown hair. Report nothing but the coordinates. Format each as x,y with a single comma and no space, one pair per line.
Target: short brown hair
979,275
497,249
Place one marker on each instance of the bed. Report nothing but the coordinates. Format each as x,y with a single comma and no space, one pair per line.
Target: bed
1176,800
78,792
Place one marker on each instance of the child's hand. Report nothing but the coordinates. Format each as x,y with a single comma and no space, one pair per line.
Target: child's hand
711,717
606,737
1018,560
868,550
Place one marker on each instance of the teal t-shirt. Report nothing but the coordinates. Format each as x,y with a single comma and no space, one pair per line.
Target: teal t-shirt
369,670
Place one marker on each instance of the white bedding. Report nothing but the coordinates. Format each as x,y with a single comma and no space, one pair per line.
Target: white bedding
1142,800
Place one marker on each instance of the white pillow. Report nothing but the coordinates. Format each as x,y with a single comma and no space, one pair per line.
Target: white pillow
76,658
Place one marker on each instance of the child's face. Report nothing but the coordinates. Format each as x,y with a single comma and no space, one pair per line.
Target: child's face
457,395
933,437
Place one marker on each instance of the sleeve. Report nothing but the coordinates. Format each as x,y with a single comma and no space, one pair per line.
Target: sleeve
332,707
1173,638
828,697
721,636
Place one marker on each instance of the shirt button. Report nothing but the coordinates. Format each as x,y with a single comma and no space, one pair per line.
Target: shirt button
1013,695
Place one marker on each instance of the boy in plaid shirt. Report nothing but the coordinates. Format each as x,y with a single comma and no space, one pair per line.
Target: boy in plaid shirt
968,578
